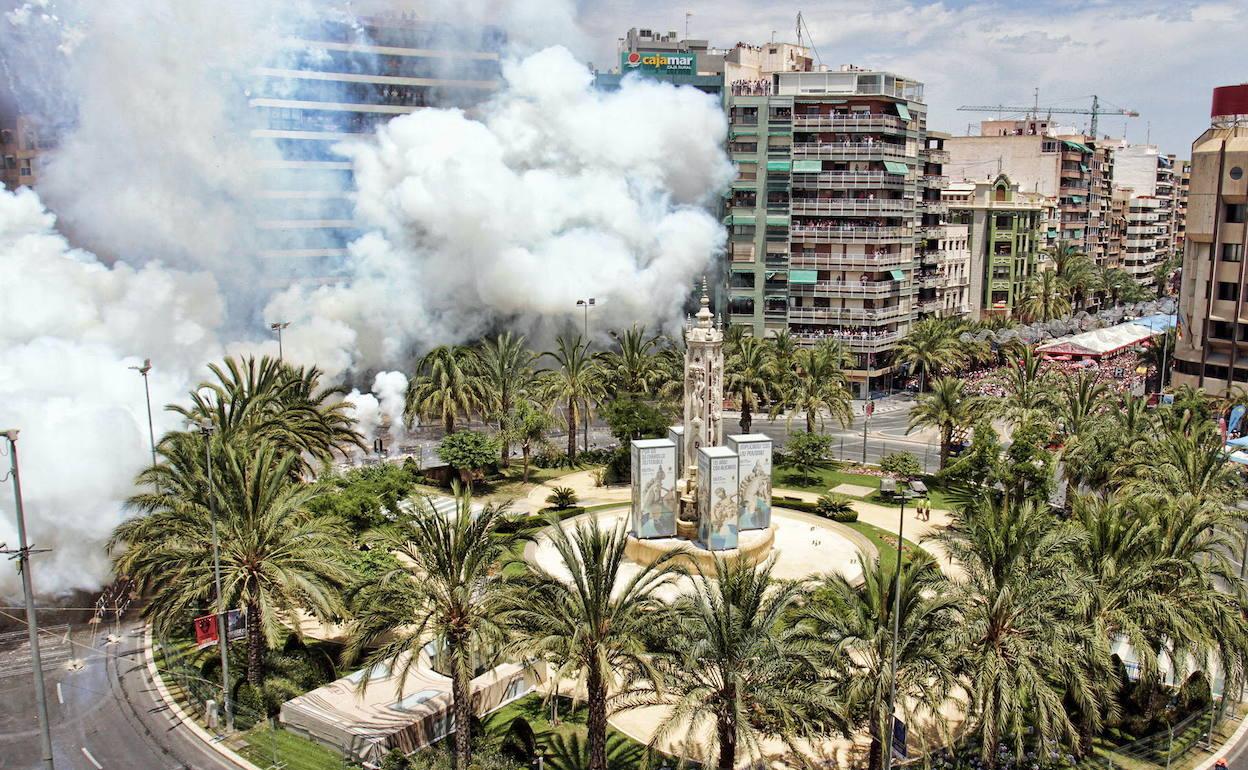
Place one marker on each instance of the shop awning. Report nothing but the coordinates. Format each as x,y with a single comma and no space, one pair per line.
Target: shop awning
807,166
803,276
903,112
780,220
896,167
779,165
1077,146
897,275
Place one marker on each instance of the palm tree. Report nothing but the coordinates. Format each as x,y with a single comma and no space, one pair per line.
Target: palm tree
737,666
503,373
447,586
267,401
930,348
947,408
1019,629
577,381
853,622
277,557
634,368
817,385
592,624
784,349
1027,387
1078,403
1044,298
1073,270
443,387
750,375
1183,460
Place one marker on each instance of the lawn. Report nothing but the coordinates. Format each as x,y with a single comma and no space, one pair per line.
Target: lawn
276,748
824,479
563,745
886,543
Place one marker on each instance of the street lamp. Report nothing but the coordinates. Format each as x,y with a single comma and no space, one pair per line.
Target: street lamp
892,686
206,429
32,622
277,327
586,304
147,391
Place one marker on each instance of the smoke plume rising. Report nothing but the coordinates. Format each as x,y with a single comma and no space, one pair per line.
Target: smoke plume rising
502,215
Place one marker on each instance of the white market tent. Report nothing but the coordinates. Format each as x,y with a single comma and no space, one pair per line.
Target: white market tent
1098,342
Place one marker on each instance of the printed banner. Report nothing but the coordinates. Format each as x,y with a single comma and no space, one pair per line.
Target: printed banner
206,628
654,488
717,498
754,467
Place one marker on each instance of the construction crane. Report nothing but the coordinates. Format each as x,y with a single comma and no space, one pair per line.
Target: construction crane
1036,109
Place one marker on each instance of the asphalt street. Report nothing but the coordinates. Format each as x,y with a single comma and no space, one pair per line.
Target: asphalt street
104,715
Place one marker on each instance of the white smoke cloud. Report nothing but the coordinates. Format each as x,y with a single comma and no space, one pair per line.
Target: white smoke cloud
550,193
558,192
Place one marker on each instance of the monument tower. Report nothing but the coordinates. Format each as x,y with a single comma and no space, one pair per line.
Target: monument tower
704,386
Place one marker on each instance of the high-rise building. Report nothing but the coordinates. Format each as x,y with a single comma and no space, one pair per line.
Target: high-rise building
1182,182
20,144
830,208
1212,352
337,82
667,57
1149,237
1002,226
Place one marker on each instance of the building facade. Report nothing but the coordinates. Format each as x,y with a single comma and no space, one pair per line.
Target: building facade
1212,352
338,82
1148,240
825,218
20,144
684,62
1003,226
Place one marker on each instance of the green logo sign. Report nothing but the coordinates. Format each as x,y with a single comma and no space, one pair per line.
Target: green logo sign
659,63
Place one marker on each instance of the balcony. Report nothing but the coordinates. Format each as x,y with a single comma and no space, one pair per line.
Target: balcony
853,207
835,315
930,231
851,122
856,342
847,150
850,289
849,180
929,280
934,181
927,305
813,261
937,156
933,207
849,234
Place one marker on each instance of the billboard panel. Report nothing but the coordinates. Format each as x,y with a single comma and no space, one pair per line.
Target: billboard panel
717,498
653,63
654,488
754,467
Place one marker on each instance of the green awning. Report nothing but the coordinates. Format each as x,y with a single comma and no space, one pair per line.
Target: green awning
778,165
803,276
743,132
780,220
776,297
897,275
807,166
780,132
1083,167
903,112
896,167
740,219
1077,146
1076,199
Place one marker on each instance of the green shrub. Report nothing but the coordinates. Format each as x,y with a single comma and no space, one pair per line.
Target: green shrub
836,508
901,464
562,498
395,759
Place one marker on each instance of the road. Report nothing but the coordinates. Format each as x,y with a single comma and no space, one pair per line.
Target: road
104,715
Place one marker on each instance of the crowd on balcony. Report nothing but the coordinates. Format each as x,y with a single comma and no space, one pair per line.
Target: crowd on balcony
842,335
751,87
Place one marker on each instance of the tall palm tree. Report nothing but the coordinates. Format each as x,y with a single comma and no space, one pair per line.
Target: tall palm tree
947,408
503,373
576,381
277,557
1181,462
750,374
1027,387
1044,298
784,349
443,388
930,348
593,623
853,622
447,586
1019,630
264,400
1078,403
634,367
736,666
818,385
1074,271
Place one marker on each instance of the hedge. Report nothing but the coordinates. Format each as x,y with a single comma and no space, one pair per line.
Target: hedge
806,506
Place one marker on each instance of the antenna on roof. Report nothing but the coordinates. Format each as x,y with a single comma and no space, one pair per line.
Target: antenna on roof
801,24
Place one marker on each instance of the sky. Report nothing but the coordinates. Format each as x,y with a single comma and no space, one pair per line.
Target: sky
1159,58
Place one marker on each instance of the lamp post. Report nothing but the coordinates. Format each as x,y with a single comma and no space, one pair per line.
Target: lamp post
32,622
277,327
147,392
586,304
206,430
892,686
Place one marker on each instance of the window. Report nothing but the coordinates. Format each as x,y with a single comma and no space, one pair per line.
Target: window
1222,330
1237,173
1232,252
1048,146
1216,372
1228,291
1236,213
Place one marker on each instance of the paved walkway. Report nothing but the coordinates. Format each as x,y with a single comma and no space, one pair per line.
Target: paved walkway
582,482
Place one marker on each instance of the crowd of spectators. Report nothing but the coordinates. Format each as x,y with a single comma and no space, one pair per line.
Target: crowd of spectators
751,87
1118,372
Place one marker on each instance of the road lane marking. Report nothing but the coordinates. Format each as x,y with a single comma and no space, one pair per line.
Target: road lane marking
60,697
91,759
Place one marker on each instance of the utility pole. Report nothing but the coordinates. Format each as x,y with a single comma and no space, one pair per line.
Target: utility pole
278,327
147,391
32,622
206,430
892,686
